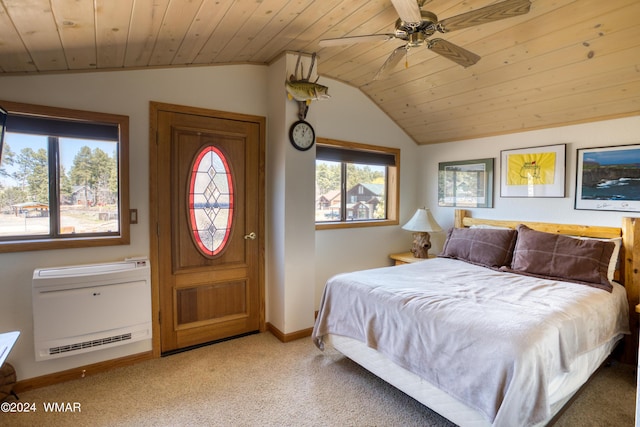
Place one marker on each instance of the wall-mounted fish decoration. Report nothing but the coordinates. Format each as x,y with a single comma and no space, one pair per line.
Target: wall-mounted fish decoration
303,90
306,92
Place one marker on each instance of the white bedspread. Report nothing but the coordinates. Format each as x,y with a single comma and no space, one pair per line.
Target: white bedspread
491,339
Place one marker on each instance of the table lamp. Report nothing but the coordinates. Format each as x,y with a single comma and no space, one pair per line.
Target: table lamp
421,224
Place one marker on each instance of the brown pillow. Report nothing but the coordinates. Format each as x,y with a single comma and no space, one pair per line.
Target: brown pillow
556,256
491,248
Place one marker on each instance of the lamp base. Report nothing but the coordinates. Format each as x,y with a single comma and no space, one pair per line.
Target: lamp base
421,245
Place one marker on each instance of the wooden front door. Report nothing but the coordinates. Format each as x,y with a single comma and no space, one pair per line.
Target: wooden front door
207,191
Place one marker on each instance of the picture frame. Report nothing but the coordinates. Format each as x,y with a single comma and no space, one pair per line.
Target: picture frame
533,172
466,183
608,178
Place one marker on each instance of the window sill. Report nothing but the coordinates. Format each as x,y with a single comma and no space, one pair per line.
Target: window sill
355,224
67,243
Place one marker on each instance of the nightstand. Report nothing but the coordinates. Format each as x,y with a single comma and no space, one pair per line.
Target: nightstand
407,258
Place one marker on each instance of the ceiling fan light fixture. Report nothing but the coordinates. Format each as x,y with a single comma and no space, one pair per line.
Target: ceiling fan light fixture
415,40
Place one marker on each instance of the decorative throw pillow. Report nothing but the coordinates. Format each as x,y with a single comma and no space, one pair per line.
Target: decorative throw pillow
491,248
561,257
613,262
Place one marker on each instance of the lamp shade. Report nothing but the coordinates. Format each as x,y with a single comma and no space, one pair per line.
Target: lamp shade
422,221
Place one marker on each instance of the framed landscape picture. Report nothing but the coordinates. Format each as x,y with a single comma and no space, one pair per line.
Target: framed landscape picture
467,183
608,178
533,172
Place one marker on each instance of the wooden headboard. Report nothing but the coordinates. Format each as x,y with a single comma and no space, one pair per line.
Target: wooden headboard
628,267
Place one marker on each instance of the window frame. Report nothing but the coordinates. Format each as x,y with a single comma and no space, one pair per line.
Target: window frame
393,185
84,240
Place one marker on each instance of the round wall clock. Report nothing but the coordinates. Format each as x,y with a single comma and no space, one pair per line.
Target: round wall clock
302,135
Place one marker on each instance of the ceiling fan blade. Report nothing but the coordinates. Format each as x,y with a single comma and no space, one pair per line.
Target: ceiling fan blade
453,52
408,10
355,39
494,12
392,61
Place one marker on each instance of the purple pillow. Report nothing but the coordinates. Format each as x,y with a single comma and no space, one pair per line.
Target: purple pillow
554,256
487,247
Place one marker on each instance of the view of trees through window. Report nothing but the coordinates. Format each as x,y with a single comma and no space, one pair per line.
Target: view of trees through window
75,194
365,191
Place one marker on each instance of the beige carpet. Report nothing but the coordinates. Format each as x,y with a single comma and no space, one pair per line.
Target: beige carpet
259,381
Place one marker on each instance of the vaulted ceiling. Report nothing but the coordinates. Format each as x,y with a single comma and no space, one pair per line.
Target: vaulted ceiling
563,62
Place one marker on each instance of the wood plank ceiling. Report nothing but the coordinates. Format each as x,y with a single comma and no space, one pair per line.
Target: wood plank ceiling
566,61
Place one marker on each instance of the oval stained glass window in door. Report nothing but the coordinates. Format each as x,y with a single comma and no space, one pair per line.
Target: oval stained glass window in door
210,201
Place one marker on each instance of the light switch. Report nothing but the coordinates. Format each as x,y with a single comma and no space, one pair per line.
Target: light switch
133,216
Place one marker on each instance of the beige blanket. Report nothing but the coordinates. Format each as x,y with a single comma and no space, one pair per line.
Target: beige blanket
491,339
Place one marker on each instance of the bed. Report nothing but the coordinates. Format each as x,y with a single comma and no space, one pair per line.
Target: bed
502,329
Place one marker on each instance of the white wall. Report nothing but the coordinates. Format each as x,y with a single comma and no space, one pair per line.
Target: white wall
291,180
275,204
599,134
350,116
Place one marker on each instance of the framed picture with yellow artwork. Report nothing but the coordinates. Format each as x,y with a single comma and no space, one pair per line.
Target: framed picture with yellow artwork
533,172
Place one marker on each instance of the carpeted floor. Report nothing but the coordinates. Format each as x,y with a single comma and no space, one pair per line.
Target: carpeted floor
259,381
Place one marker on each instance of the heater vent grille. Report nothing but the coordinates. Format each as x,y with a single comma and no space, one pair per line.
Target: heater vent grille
88,344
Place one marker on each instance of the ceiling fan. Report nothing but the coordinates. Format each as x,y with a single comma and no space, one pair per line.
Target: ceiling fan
415,26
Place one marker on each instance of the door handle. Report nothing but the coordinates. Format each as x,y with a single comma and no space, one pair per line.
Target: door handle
251,236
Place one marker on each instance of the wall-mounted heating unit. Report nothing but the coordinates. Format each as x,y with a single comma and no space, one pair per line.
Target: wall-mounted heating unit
84,308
